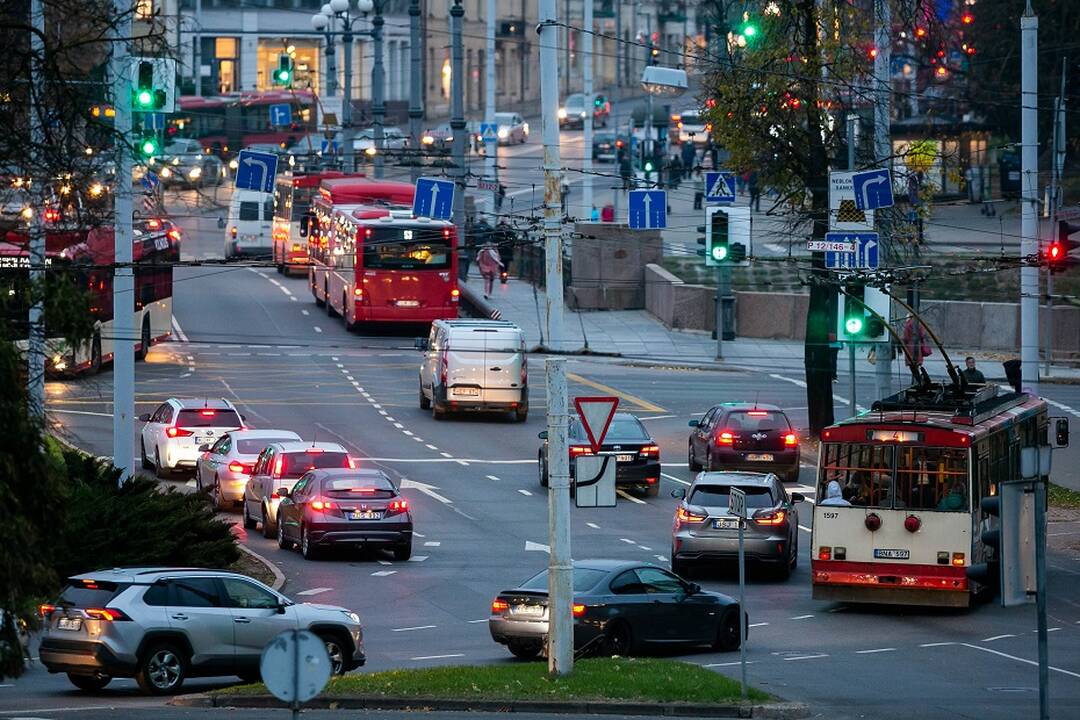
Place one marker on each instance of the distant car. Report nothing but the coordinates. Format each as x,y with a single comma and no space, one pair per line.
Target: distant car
573,111
606,146
364,140
619,608
745,436
163,625
185,164
345,508
704,530
637,456
279,466
171,437
439,138
225,466
511,128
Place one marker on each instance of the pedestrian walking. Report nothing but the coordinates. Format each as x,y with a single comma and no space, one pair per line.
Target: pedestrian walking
500,196
755,190
689,154
675,172
699,187
490,265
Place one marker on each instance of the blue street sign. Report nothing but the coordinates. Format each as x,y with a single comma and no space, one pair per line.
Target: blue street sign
281,114
647,209
150,180
873,189
864,257
490,132
330,146
719,187
153,121
433,198
256,171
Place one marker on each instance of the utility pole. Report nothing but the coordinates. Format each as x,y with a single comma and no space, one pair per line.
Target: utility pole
883,154
36,188
348,132
457,113
330,76
1057,170
491,149
196,48
1029,196
590,103
560,650
548,30
123,274
378,85
416,89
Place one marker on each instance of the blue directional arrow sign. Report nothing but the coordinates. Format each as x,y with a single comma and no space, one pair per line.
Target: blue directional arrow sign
719,187
281,114
153,121
256,171
330,146
150,180
873,189
489,132
433,198
647,209
865,255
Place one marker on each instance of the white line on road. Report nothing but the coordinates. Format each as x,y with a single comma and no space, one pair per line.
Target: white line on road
801,617
418,558
793,381
333,358
275,282
315,591
631,498
727,664
1059,406
808,657
383,573
317,329
1020,659
432,543
438,657
304,312
428,490
446,455
340,366
398,425
672,477
937,644
524,492
387,562
646,548
474,622
491,477
407,432
876,650
189,483
531,546
79,412
594,526
180,335
657,417
429,446
350,378
761,624
997,637
628,541
661,558
410,629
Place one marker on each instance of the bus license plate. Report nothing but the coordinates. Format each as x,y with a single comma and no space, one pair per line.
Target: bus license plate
624,458
408,303
759,457
468,391
365,515
889,554
69,623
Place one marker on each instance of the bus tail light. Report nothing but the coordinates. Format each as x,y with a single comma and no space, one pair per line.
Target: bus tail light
824,553
912,523
771,518
455,295
726,437
958,559
358,293
174,431
578,609
873,522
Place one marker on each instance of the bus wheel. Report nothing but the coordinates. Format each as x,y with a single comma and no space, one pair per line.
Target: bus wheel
144,348
329,305
318,302
350,325
95,354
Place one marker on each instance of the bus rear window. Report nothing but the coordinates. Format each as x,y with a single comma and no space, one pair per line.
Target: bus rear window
406,249
905,477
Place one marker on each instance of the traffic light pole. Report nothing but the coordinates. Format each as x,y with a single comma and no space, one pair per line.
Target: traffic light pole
851,376
720,313
1040,595
457,114
416,84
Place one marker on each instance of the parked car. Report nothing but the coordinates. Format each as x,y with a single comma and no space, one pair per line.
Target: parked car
745,436
224,467
162,626
704,530
279,466
637,455
340,508
171,437
620,608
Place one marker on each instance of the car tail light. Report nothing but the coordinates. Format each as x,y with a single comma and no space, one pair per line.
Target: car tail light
208,413
824,553
46,610
174,431
772,517
396,507
279,465
791,439
726,437
238,467
174,235
577,450
524,370
321,505
758,413
578,609
444,363
351,462
107,614
153,224
683,515
499,606
313,450
651,451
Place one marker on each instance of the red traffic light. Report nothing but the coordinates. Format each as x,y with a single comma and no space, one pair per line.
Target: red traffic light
1054,252
1062,253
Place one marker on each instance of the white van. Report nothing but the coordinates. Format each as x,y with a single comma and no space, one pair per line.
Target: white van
250,224
474,365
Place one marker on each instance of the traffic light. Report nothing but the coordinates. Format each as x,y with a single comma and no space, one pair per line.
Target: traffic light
148,97
717,239
1059,255
854,311
148,145
727,236
988,572
748,31
654,54
284,73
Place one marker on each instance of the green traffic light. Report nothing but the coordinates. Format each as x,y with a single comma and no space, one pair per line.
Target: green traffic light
719,252
853,325
648,166
283,76
148,147
145,98
749,31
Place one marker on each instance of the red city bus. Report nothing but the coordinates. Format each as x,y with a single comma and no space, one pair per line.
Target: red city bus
293,196
384,265
905,526
231,122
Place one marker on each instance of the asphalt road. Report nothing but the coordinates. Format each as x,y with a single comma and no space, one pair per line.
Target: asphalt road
258,339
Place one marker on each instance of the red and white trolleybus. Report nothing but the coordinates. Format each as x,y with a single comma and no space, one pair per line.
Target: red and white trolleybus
293,196
905,526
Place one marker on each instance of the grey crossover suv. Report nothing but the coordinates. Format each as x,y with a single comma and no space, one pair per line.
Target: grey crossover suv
163,625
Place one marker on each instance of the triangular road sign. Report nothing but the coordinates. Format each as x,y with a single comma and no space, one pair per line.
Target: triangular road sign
596,414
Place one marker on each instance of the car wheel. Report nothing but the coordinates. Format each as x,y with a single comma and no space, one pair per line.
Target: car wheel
269,529
89,683
144,340
142,453
159,472
162,670
437,410
283,542
523,650
795,555
318,302
521,414
727,631
708,464
335,648
249,523
653,490
425,403
619,639
691,461
403,552
307,547
198,479
280,267
783,570
543,470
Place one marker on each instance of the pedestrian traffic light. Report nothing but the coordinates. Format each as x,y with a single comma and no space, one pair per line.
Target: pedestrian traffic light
148,97
1060,254
854,311
284,73
727,236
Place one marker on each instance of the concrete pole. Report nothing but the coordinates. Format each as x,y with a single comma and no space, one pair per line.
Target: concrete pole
378,87
348,132
196,49
560,648
549,123
491,150
883,153
619,48
123,276
1029,192
457,113
330,76
36,193
586,162
416,88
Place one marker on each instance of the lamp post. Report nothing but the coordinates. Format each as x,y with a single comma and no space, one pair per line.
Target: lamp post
321,23
339,11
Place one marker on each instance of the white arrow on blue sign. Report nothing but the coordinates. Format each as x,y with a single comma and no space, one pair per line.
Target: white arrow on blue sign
865,255
280,114
873,189
256,171
647,209
719,187
489,132
433,198
153,121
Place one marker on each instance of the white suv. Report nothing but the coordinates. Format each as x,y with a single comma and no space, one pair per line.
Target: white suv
171,437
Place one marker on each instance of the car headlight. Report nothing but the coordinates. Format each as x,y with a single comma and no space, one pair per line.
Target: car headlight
427,140
582,113
503,133
96,189
195,172
233,164
562,113
166,172
351,615
525,128
176,161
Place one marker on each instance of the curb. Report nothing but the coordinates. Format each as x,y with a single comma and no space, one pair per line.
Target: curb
279,577
770,711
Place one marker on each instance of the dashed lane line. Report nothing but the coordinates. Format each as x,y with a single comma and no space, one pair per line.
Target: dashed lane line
383,573
808,657
432,543
1062,406
476,622
315,591
438,657
317,328
304,312
525,492
805,529
418,558
997,637
628,541
415,627
760,624
727,664
875,650
594,526
801,617
936,644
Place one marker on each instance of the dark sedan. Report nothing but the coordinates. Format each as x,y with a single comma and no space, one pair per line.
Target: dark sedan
619,608
637,456
344,507
606,146
745,436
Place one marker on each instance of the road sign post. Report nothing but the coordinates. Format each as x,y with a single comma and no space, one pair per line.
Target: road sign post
434,198
737,507
295,667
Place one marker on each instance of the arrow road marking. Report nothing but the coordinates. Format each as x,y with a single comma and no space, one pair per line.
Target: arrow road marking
531,546
428,490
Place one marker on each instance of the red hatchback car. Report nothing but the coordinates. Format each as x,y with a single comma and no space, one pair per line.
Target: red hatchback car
745,436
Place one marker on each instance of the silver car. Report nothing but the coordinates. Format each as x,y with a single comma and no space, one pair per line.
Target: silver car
164,625
223,468
703,529
278,467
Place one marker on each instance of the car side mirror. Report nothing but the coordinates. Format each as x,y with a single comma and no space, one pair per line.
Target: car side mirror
243,418
205,447
678,493
284,492
797,497
421,344
280,609
145,417
694,423
543,435
692,588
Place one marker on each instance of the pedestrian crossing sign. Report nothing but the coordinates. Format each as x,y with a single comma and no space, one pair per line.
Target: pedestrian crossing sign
719,187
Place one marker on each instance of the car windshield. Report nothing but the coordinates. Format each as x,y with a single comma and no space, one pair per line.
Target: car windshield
575,102
207,418
622,429
504,118
584,579
604,138
719,496
360,488
757,420
254,446
89,593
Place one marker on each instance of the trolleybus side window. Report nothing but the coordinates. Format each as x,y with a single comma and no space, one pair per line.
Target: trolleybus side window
932,478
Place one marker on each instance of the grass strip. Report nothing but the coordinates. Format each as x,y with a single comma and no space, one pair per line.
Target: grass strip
1063,497
617,679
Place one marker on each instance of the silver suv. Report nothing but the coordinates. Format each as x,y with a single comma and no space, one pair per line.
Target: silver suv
163,625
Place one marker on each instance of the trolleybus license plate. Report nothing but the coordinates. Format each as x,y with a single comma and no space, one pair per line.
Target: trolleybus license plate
889,554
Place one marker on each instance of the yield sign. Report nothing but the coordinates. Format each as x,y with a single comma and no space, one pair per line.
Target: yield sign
596,414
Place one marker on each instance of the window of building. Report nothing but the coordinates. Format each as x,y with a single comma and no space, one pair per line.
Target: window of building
144,9
226,60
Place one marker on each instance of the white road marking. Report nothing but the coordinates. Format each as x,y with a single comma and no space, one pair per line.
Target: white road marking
672,477
727,664
383,413
428,490
79,412
803,527
656,417
317,329
383,573
180,335
315,591
294,298
491,477
937,644
661,558
431,447
340,366
524,492
594,526
438,657
631,498
450,459
418,439
377,406
446,454
398,425
808,657
432,543
334,358
416,534
385,562
628,541
761,624
350,378
304,312
418,558
646,548
189,483
275,282
1019,659
876,650
793,381
997,637
531,546
474,622
801,617
1055,403
410,629
407,432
